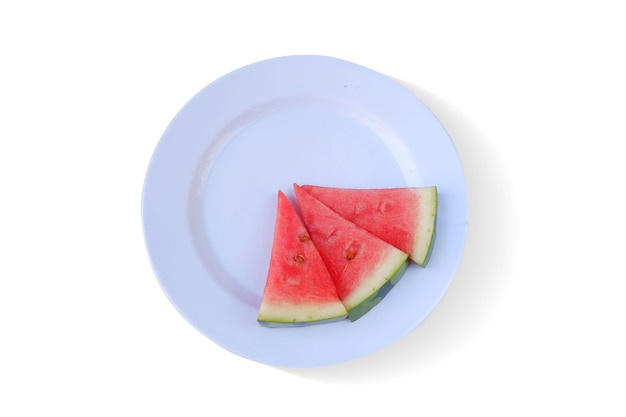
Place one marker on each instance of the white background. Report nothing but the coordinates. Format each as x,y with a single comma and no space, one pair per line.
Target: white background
533,95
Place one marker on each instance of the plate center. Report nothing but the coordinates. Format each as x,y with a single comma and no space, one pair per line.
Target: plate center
306,141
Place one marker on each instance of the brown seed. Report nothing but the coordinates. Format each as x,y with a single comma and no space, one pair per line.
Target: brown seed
299,259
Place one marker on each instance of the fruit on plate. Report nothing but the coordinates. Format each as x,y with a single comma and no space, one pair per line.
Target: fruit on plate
403,217
299,290
363,267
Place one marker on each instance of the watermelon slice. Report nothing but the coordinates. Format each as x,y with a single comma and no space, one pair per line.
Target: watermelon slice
363,267
403,217
299,290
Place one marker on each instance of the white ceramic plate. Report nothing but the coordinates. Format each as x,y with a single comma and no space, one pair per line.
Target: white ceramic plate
209,198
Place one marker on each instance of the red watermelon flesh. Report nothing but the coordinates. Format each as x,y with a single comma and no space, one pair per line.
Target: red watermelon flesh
363,267
299,290
403,217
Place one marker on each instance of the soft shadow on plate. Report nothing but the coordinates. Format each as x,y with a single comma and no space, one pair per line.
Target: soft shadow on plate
473,297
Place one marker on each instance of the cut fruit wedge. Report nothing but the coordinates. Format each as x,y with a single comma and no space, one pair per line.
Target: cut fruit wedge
363,267
299,290
403,217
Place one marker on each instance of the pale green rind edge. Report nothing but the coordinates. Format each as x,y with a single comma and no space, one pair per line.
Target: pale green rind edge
428,221
370,302
287,315
274,324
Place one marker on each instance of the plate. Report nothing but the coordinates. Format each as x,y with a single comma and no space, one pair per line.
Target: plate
209,198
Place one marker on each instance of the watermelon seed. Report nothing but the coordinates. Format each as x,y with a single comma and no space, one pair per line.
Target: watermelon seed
299,259
304,238
350,256
359,207
383,207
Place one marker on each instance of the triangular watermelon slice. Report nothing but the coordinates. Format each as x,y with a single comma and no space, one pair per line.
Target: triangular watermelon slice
299,290
403,217
363,267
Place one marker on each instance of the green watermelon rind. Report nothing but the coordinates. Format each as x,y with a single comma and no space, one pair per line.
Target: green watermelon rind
279,324
301,315
423,245
286,314
380,283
